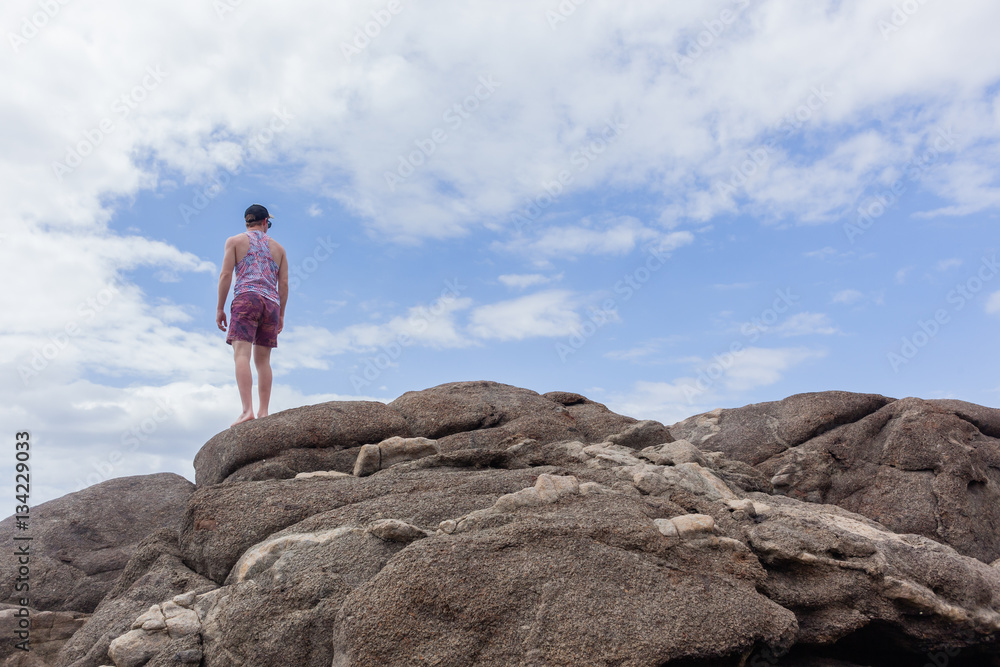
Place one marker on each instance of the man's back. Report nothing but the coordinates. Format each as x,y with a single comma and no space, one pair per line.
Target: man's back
239,245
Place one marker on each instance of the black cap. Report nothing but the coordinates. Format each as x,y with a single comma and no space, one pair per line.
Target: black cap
256,213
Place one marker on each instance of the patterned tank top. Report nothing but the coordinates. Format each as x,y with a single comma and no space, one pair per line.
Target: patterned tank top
257,272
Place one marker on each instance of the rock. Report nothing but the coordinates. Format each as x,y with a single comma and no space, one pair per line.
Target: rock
757,432
388,453
49,632
689,525
421,497
863,572
393,530
82,541
698,481
464,415
588,576
283,614
295,462
322,474
154,574
674,453
218,528
564,533
642,434
608,455
915,466
334,425
136,648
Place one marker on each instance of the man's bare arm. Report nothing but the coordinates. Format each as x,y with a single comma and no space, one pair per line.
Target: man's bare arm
225,281
282,287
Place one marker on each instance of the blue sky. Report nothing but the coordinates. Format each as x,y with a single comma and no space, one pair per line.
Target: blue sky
668,209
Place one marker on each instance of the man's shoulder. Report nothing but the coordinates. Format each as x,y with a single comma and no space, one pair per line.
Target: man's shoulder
232,240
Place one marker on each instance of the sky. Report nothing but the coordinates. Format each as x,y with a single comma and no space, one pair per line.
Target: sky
666,207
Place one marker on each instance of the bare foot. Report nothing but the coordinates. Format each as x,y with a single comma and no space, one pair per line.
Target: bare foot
244,417
261,414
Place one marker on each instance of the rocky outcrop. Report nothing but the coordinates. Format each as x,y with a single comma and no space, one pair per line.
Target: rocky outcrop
49,632
335,425
926,467
482,534
154,573
464,415
82,541
458,416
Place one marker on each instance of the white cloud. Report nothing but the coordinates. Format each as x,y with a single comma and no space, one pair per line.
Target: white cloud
432,326
94,432
642,353
806,324
314,211
347,128
525,280
548,314
948,264
760,367
848,297
666,402
617,236
993,303
721,382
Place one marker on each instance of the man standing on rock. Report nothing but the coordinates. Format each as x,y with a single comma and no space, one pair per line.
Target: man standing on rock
258,307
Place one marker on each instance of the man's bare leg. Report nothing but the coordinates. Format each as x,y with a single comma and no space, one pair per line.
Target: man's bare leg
244,379
262,360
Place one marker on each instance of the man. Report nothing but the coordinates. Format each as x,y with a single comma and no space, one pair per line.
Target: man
258,307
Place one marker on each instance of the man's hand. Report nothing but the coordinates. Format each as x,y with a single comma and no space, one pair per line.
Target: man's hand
220,318
281,323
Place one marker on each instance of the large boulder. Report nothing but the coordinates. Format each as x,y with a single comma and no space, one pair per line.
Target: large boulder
220,527
334,425
926,467
81,542
549,583
48,633
755,433
154,573
547,530
545,553
458,416
463,415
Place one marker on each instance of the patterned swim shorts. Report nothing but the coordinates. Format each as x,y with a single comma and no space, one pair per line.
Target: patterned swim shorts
253,319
